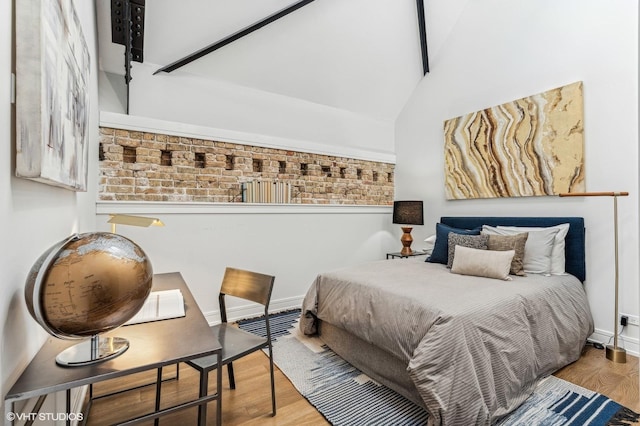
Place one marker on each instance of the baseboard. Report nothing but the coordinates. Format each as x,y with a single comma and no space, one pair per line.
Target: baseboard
630,344
253,310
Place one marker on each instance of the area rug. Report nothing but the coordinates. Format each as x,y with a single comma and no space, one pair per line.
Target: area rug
347,397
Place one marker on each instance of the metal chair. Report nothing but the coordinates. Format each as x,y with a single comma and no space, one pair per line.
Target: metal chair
235,342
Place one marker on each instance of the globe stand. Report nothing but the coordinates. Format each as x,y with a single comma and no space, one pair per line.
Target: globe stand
92,351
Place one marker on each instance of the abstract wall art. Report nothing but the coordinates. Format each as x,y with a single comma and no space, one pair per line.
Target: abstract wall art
52,97
533,146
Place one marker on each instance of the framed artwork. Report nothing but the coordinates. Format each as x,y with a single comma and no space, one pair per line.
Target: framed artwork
52,97
533,146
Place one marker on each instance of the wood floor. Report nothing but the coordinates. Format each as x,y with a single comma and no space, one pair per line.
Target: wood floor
617,381
250,402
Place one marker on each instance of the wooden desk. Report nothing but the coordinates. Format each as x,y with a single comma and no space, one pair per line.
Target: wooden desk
153,345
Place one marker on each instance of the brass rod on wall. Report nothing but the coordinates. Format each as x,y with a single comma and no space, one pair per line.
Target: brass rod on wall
594,194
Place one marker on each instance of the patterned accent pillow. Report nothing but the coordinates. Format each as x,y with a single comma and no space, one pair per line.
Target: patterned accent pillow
472,241
511,242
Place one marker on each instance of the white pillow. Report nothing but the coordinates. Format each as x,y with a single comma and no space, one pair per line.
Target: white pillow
430,242
482,263
557,253
537,249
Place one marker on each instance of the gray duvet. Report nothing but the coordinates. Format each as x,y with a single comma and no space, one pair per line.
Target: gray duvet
474,347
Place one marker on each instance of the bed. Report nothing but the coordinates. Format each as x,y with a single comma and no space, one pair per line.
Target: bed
468,349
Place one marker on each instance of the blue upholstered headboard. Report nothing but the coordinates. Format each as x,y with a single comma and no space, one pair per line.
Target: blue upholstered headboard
574,241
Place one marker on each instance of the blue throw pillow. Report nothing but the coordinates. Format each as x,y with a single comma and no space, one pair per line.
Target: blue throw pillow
440,253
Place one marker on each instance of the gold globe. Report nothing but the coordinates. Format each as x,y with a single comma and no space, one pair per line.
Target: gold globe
88,284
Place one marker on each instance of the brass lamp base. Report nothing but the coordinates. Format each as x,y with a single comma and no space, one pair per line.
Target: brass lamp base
616,354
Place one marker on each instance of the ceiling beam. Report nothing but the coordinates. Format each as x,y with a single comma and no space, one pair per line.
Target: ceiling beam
233,37
422,27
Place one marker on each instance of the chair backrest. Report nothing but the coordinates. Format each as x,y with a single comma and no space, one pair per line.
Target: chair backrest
247,285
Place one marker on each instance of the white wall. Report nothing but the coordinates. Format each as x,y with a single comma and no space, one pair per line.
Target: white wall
292,242
34,216
494,51
186,98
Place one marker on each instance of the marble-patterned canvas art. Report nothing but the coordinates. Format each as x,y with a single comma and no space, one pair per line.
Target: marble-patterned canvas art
529,147
52,94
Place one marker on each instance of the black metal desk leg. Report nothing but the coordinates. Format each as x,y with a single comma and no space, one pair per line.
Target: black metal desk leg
202,409
156,422
68,407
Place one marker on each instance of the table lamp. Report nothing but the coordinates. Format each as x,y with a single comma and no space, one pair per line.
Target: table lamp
407,213
613,352
126,219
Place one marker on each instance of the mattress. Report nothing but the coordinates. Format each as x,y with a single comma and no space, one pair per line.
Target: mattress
474,348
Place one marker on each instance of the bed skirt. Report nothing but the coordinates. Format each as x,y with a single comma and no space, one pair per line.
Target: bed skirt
376,363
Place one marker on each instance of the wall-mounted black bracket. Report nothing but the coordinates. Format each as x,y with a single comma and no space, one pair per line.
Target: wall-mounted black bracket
127,28
128,15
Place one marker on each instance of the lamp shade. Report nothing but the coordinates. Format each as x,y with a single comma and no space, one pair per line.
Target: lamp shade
408,212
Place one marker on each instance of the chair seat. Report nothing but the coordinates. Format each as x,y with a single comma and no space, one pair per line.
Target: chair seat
235,343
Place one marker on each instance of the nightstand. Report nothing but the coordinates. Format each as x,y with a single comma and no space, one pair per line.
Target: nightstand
414,254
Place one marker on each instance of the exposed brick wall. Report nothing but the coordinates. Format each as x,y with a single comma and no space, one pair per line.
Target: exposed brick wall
137,166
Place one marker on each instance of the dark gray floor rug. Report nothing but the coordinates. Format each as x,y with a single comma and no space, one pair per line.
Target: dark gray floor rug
345,396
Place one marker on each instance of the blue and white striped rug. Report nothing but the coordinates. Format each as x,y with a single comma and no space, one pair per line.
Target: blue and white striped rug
346,396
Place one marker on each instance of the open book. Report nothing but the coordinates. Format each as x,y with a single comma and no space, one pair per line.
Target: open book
160,305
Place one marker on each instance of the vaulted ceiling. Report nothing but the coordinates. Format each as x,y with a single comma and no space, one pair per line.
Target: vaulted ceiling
361,56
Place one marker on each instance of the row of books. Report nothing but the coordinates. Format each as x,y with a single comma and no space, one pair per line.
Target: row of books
263,191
